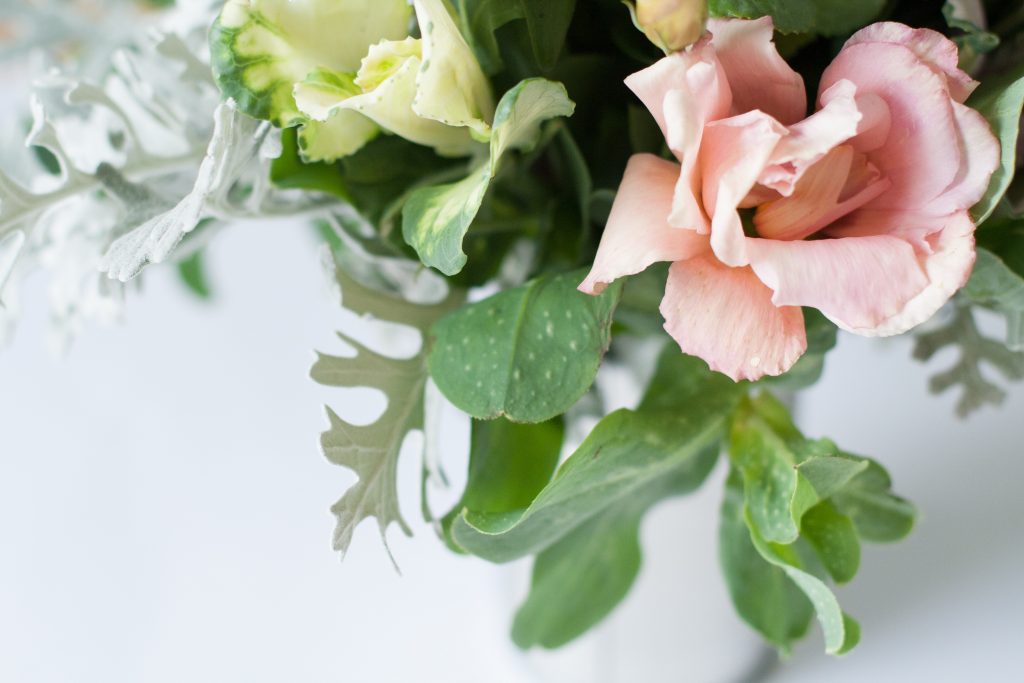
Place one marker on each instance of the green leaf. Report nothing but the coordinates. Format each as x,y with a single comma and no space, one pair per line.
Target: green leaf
372,451
784,473
834,538
260,49
625,453
509,464
826,17
581,578
1000,100
995,285
527,353
877,513
192,272
478,20
435,219
829,474
776,494
839,17
548,22
790,16
841,632
761,592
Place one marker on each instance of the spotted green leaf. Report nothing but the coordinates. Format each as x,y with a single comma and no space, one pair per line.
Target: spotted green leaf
528,353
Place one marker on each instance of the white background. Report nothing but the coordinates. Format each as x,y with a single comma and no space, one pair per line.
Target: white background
163,509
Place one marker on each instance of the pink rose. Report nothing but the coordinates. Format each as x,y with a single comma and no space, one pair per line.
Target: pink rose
859,210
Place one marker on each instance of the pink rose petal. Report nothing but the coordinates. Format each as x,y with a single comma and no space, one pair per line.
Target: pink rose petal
948,268
857,282
980,152
811,139
734,154
920,156
726,316
637,234
759,77
935,50
824,195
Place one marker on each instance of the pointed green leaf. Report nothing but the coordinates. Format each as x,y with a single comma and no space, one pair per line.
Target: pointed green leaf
527,353
548,22
435,219
877,513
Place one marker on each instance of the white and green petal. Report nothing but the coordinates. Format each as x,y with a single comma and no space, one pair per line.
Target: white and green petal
261,48
450,87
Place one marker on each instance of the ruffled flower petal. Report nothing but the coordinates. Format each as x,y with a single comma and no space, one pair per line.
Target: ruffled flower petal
637,234
937,51
733,155
811,139
980,153
759,77
920,154
689,73
726,316
948,267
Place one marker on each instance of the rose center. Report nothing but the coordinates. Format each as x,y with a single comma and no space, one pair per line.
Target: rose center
838,184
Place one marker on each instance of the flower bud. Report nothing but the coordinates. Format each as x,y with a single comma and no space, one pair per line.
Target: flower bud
672,24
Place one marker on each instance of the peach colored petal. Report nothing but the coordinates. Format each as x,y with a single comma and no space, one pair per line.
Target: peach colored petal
813,138
948,268
725,316
857,282
822,196
933,48
759,77
706,97
705,91
920,155
980,154
733,155
915,227
875,124
637,234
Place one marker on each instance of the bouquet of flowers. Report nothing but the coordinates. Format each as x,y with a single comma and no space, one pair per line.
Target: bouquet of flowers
541,192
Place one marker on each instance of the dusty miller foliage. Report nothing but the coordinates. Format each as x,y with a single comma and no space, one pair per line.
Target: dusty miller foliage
122,167
977,351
